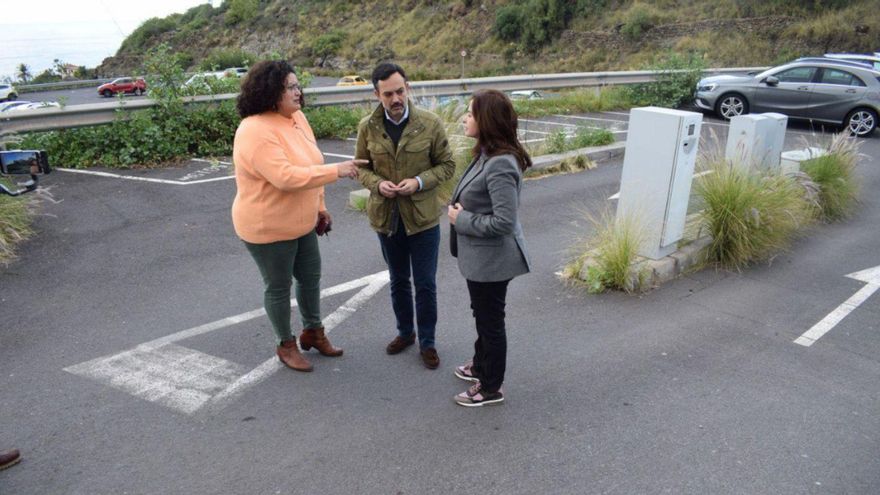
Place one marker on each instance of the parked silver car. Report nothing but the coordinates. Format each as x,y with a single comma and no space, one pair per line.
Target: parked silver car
832,91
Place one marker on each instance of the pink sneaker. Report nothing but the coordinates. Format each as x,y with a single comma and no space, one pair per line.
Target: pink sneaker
474,397
466,373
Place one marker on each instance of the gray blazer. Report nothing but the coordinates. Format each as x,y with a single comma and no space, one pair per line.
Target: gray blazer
491,247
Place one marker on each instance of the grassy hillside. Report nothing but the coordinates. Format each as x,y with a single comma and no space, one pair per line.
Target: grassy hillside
502,37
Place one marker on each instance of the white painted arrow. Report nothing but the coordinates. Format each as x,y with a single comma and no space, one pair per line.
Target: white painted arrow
871,276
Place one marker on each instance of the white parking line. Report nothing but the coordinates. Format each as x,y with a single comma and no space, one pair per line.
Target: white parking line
547,122
578,117
143,179
271,365
203,160
174,182
187,380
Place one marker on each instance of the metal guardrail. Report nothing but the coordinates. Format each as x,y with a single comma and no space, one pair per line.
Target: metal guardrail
81,83
45,119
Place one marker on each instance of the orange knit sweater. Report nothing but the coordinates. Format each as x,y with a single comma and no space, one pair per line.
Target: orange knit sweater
280,177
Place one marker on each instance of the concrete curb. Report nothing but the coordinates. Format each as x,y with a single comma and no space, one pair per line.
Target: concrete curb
651,273
358,199
594,153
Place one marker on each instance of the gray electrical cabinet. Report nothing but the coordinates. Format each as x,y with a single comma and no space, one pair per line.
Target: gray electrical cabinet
756,140
658,168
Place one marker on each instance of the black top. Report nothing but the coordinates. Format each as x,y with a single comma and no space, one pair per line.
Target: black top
393,130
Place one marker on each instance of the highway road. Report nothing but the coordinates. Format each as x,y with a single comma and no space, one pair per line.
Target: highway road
81,96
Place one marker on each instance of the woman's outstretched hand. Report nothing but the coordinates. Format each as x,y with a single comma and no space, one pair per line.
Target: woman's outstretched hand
349,168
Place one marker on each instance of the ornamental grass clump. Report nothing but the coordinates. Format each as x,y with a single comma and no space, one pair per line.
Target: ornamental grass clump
15,224
834,174
610,262
750,216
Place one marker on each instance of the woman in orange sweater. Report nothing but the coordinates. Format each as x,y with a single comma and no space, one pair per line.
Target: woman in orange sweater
280,176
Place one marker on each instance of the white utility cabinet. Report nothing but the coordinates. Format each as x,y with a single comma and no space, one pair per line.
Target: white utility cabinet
658,168
756,140
791,160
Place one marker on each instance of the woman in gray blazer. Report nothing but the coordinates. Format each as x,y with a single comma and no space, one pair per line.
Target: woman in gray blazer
487,238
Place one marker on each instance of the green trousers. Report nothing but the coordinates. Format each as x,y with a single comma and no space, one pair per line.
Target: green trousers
280,263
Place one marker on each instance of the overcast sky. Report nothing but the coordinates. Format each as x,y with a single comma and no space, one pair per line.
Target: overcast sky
81,32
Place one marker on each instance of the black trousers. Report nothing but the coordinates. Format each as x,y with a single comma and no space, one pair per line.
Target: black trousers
490,349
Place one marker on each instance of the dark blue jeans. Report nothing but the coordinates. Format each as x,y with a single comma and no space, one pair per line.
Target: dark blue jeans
416,255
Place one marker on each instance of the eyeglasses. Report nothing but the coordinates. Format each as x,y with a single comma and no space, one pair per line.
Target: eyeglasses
294,87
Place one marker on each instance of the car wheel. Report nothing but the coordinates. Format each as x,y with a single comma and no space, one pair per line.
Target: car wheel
12,97
731,105
107,93
861,122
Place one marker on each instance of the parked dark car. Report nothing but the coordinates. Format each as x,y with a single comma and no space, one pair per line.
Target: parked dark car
131,85
836,92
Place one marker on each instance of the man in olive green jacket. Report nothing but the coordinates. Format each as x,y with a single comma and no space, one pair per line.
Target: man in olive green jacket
409,157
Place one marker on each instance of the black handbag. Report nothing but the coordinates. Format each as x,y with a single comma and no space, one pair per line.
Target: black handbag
453,241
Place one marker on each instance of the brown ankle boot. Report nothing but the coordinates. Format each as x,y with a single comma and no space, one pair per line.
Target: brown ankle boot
314,337
289,354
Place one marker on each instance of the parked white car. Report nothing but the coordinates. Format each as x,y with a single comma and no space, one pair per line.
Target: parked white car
529,94
8,105
20,106
7,92
873,58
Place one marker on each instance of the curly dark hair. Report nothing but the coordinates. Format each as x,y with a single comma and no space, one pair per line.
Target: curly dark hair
262,87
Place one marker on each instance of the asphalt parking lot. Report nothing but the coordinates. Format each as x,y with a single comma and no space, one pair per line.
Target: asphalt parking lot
134,357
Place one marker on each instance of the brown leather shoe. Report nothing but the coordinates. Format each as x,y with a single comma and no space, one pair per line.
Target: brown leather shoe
430,358
314,337
397,345
289,354
9,458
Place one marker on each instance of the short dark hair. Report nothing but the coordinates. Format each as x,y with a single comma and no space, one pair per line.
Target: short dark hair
262,87
385,70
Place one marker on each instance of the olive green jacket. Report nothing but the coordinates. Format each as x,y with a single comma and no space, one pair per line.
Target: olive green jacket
423,151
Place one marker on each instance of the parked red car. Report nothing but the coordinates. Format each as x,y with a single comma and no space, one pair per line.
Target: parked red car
123,85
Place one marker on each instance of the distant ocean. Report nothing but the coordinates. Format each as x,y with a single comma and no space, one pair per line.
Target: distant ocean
38,44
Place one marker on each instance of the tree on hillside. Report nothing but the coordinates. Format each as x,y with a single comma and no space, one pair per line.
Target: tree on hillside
327,44
23,73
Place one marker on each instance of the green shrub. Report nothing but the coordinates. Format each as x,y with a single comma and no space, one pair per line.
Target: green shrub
508,22
610,260
750,217
577,101
556,142
587,136
637,20
328,44
240,11
559,141
834,173
226,57
674,85
140,37
335,121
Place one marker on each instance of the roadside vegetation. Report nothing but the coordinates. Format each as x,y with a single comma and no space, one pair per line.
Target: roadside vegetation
15,223
749,215
834,177
506,36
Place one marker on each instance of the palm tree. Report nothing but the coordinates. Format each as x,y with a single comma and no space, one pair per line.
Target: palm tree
24,73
